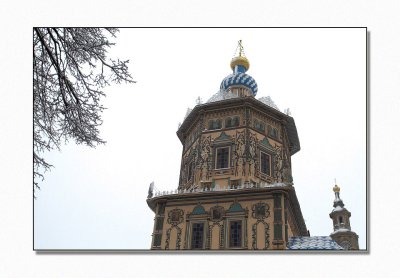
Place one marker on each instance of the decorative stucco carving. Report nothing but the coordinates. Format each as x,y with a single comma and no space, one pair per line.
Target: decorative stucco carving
254,234
178,237
175,217
260,211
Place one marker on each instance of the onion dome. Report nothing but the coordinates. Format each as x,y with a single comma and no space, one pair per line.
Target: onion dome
240,64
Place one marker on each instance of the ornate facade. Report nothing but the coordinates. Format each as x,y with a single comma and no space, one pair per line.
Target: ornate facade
235,186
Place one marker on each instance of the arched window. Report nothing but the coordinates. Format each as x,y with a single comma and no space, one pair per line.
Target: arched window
228,122
235,121
272,132
259,126
214,124
262,127
217,124
210,124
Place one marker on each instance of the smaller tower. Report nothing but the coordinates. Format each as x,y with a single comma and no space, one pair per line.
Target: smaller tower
340,216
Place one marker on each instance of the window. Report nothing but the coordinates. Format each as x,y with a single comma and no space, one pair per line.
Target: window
217,124
197,235
157,240
214,124
272,132
159,223
236,121
265,163
259,125
222,159
232,122
277,217
235,234
228,122
277,231
210,124
341,220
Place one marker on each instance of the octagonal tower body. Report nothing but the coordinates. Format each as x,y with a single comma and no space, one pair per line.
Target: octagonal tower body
234,142
235,188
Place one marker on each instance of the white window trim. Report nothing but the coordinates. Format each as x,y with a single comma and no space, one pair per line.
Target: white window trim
270,164
228,237
216,157
204,234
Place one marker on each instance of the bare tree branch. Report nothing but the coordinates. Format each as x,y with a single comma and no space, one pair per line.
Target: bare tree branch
70,69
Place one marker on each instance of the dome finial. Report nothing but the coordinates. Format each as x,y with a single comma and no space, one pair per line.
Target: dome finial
336,188
240,46
239,82
240,63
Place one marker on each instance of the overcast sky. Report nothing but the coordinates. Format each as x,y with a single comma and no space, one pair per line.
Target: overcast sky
96,198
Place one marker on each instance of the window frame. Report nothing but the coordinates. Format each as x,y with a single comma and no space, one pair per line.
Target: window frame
272,132
216,157
230,246
232,121
214,124
228,122
270,163
157,240
159,223
203,235
259,125
235,121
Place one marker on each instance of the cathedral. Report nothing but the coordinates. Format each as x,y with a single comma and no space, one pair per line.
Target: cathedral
236,189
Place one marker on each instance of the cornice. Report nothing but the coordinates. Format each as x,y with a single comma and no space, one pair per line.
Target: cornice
287,121
223,194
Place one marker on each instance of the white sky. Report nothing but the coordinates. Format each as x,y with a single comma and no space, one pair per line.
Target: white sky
96,198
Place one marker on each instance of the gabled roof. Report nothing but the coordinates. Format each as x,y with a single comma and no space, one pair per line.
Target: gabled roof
313,243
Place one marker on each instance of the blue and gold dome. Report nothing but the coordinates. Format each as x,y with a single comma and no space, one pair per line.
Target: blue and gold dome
240,64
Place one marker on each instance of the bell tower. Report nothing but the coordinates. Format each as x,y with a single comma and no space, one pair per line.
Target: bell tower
340,216
235,188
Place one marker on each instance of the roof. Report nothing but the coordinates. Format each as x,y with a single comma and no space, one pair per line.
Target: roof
313,243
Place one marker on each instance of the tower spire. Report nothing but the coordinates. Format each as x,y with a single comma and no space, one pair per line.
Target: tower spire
240,46
340,216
